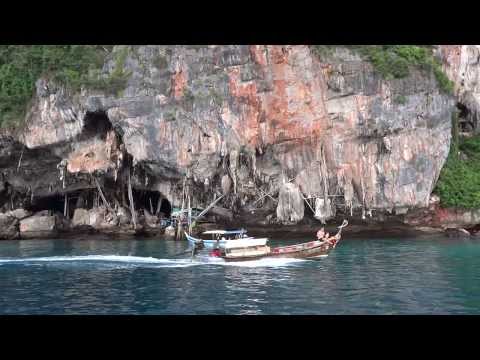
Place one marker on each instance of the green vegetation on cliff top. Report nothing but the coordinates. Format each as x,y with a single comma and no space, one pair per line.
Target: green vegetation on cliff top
394,61
72,66
459,181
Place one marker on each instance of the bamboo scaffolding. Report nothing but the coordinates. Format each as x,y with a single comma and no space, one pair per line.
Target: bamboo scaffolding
101,195
206,210
65,206
132,205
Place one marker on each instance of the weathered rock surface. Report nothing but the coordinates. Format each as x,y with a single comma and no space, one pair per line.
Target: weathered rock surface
38,227
8,227
290,209
242,121
457,232
150,220
123,216
97,218
443,217
462,65
19,213
81,217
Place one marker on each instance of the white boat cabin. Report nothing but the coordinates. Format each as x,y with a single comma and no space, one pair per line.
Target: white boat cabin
226,234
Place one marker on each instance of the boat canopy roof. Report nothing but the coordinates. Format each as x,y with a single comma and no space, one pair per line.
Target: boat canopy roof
225,232
245,243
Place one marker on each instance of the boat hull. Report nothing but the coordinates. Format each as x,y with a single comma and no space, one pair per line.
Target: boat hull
245,258
311,250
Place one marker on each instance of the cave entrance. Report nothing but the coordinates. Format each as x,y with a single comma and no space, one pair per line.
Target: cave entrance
96,123
152,201
56,203
159,203
465,121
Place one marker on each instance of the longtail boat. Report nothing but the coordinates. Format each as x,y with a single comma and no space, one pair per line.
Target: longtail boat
243,248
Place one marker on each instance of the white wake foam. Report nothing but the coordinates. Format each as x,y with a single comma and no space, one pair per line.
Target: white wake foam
146,261
103,258
266,262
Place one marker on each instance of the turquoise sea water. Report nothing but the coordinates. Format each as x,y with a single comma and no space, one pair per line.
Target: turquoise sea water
432,275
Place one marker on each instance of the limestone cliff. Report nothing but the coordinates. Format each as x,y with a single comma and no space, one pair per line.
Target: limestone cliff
265,125
462,65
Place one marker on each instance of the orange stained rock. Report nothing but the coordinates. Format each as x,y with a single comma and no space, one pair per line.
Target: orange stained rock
96,155
179,83
246,93
258,53
289,110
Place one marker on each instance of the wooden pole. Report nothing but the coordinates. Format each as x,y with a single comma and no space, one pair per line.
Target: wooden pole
208,208
130,198
101,195
65,206
159,206
151,206
189,216
179,225
310,206
20,160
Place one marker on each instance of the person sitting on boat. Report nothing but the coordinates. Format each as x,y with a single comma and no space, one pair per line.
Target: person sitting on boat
216,252
334,239
321,234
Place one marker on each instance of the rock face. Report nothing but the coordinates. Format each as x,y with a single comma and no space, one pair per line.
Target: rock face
243,121
19,213
81,217
38,227
8,227
290,207
436,216
124,216
462,65
97,218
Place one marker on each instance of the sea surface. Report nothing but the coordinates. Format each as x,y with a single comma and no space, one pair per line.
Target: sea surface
363,275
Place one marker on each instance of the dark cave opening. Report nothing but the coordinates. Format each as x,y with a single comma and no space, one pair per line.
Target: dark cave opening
87,198
150,200
53,203
308,212
465,122
96,123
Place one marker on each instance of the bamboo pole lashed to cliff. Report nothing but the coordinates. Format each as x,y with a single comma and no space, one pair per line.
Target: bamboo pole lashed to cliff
208,208
20,160
101,195
130,198
189,216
